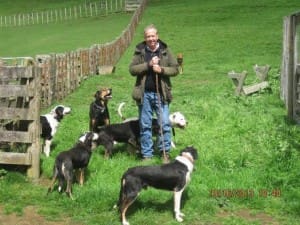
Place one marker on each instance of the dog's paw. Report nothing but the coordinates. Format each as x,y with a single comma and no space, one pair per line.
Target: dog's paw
125,223
47,152
179,217
173,144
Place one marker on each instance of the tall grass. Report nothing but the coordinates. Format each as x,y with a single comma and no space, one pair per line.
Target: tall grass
245,143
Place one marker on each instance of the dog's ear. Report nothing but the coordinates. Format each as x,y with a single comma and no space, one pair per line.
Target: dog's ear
193,151
174,115
97,94
89,136
59,113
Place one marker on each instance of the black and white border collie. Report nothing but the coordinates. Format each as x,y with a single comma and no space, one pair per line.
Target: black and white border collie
173,176
49,124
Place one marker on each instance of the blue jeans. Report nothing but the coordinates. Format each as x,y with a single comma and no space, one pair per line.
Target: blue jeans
149,106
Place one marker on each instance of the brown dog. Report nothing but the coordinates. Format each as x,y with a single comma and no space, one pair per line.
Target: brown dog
99,114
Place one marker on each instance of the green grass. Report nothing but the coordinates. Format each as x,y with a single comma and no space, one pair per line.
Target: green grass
69,35
62,37
19,6
245,143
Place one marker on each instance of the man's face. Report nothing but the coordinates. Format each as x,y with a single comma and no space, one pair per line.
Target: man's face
151,38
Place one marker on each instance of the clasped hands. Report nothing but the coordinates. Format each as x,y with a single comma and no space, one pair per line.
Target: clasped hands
154,62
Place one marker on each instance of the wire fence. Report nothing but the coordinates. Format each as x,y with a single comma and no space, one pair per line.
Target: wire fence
93,9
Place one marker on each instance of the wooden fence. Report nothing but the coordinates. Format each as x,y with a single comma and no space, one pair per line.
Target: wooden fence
101,7
290,71
19,117
27,84
61,73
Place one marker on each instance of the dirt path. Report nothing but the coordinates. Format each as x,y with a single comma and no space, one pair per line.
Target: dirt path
247,215
30,217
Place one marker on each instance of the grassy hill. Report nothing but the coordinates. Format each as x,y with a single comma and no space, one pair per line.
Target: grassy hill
248,171
60,37
19,6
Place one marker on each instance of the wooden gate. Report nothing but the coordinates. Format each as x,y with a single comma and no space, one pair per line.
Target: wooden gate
19,116
290,70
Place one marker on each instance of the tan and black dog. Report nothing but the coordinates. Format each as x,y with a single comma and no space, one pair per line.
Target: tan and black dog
173,176
76,158
99,114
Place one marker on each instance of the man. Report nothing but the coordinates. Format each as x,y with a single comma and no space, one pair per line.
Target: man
153,65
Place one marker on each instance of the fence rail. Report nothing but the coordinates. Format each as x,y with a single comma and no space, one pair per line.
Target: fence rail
27,84
61,73
101,7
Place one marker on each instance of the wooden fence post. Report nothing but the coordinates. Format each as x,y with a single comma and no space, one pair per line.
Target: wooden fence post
34,128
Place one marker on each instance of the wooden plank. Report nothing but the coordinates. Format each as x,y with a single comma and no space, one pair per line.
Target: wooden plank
16,90
287,72
261,71
106,69
15,158
14,72
34,128
15,136
255,87
15,113
34,170
238,80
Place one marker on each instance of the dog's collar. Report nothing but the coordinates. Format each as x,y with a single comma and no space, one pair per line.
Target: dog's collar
99,107
186,160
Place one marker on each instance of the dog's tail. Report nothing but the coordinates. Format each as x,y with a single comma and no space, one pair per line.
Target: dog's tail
120,110
54,178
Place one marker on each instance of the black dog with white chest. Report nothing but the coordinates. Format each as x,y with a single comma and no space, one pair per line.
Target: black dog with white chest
49,124
173,176
76,158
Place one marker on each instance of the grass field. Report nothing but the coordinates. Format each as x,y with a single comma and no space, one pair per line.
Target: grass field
19,6
62,37
247,146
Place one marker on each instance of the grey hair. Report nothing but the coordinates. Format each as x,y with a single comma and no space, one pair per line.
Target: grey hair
149,27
